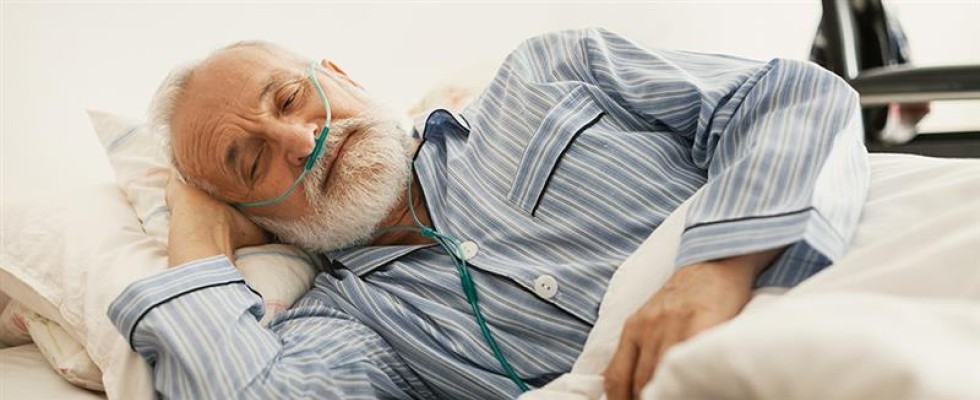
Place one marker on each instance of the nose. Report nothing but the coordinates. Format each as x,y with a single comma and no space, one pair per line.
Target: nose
297,142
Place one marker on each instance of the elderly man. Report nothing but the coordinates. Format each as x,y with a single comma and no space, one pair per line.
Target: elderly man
470,255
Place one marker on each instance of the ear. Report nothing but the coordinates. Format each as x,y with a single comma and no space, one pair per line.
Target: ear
330,66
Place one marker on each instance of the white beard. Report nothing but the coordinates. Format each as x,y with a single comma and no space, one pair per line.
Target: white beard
368,181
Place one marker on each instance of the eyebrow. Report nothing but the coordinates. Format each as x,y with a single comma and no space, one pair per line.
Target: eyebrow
276,80
267,89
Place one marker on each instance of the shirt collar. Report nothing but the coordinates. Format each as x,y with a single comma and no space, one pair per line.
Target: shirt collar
363,260
439,115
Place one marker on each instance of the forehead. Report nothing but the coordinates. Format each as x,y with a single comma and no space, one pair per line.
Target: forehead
227,75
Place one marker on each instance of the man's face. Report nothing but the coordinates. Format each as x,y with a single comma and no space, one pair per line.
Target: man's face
247,122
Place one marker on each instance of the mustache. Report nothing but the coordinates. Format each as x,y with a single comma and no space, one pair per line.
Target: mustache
340,131
348,203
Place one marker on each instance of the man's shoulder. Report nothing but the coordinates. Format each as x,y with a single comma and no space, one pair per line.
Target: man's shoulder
561,40
570,35
569,46
538,57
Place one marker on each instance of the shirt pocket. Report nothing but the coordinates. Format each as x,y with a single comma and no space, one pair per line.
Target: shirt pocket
560,126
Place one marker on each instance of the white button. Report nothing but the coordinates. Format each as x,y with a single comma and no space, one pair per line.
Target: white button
469,249
545,286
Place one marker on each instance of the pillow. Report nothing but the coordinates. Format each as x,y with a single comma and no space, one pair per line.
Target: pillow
281,273
13,327
19,325
4,300
68,255
64,353
141,166
911,199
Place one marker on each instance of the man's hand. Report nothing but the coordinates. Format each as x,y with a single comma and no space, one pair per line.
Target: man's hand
696,297
201,226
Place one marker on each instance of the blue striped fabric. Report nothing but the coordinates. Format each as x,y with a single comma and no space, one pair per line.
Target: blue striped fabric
583,143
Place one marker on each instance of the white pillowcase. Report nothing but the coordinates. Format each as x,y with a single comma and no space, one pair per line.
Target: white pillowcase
20,325
281,273
67,256
13,328
62,352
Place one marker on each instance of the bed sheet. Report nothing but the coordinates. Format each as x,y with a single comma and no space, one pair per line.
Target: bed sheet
24,374
897,317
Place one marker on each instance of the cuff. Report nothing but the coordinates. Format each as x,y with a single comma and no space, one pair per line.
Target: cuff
812,241
142,296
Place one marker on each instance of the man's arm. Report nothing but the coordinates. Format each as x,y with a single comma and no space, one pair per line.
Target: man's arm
782,148
780,142
695,298
197,325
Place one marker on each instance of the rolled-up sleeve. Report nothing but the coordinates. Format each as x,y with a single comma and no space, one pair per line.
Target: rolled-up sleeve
786,167
197,326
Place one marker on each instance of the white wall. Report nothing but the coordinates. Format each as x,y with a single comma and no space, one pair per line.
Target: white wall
60,58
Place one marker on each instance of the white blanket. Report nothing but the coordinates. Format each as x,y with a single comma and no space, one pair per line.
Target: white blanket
897,318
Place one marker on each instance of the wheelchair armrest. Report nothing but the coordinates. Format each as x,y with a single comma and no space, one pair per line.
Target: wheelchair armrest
905,84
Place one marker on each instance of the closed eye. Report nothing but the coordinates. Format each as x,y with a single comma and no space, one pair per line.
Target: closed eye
289,100
255,165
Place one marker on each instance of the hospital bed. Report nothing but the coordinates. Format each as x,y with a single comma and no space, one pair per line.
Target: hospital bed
909,286
921,216
865,48
896,318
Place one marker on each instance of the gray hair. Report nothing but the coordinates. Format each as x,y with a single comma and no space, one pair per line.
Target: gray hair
160,113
